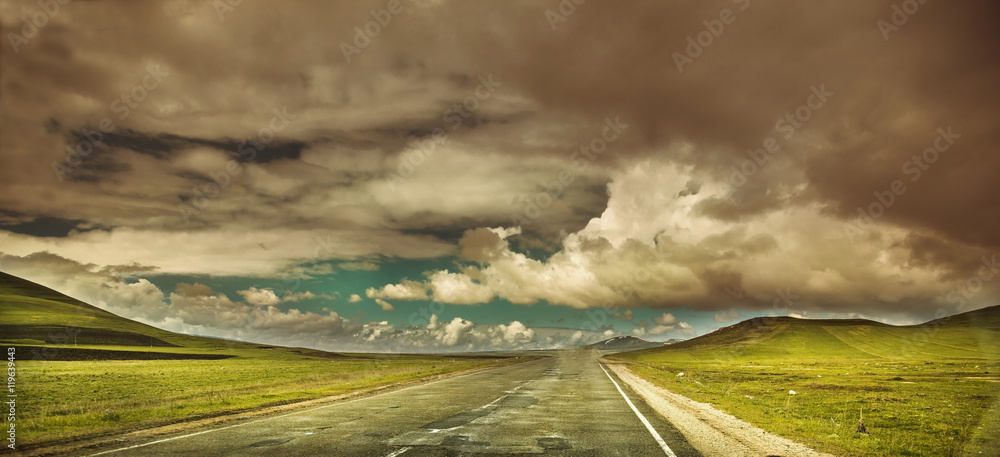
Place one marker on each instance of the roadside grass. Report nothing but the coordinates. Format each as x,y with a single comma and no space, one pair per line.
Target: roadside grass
914,408
62,400
922,390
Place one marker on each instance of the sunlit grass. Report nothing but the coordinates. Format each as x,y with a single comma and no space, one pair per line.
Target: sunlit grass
61,400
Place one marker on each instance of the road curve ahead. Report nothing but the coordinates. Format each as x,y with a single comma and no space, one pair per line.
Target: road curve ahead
567,405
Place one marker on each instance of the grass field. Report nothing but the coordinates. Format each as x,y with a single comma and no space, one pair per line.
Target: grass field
68,388
922,390
60,400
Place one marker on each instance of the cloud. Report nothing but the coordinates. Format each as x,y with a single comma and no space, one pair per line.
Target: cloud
196,308
358,266
516,333
406,290
299,296
655,220
654,248
260,297
386,306
726,316
453,288
354,298
454,331
665,319
625,316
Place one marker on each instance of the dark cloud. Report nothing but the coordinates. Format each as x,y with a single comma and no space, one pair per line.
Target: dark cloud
683,190
41,226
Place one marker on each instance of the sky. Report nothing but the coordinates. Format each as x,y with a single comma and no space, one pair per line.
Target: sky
439,175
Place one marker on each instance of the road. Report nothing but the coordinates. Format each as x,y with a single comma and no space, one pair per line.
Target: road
566,405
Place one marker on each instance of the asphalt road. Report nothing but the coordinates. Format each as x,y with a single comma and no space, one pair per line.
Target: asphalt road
567,405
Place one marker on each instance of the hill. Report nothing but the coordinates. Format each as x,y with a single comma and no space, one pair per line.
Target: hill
38,319
972,335
623,343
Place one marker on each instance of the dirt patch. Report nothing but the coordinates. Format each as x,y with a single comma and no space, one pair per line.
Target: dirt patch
710,430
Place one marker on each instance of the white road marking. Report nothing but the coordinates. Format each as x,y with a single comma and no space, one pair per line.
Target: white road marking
500,398
492,402
652,431
275,417
398,451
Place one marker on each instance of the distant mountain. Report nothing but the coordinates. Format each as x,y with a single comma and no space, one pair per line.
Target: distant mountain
975,334
623,343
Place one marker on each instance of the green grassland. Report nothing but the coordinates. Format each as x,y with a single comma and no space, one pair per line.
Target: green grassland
60,400
62,397
921,390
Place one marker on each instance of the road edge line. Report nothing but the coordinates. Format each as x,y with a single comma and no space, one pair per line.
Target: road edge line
649,427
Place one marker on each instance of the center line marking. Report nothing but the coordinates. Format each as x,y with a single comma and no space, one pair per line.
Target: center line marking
652,431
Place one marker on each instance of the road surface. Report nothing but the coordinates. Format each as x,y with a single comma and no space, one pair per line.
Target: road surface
567,405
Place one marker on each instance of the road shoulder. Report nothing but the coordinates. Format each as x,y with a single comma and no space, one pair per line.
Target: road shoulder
710,430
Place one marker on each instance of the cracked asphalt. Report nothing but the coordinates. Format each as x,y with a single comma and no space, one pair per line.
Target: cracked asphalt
565,405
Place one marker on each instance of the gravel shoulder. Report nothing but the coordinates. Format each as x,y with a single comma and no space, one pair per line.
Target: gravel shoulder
710,430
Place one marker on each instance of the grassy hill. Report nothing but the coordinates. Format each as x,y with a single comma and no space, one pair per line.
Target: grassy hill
34,316
973,335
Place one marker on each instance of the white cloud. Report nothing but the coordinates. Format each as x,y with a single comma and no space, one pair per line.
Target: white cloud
299,296
260,297
516,333
354,298
405,290
665,319
658,244
196,308
458,289
386,306
726,316
453,331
